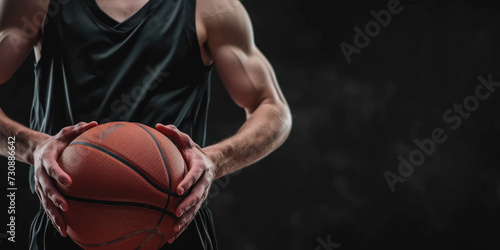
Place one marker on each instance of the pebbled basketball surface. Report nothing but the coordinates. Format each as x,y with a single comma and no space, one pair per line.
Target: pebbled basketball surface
123,194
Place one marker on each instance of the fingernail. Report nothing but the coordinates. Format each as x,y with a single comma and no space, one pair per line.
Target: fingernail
64,182
61,207
171,240
59,229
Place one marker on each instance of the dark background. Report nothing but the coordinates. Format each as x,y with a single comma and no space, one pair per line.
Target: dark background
351,122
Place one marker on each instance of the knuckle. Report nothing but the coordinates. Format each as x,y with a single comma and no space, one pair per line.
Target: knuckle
185,207
61,138
44,185
49,192
192,179
50,170
183,221
45,155
66,130
200,195
43,201
194,144
197,199
40,175
194,170
38,172
190,218
209,175
200,168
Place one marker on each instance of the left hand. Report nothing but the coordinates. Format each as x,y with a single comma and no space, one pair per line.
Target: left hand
199,177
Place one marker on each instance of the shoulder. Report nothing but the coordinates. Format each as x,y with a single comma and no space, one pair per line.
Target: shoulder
216,9
225,22
221,14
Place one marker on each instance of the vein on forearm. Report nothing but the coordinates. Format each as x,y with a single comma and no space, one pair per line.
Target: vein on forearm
264,131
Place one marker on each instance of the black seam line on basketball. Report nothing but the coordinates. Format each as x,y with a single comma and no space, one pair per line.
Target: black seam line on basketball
145,241
122,238
162,157
122,203
128,164
166,167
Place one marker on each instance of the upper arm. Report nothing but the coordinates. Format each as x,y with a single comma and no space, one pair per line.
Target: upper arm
246,73
20,25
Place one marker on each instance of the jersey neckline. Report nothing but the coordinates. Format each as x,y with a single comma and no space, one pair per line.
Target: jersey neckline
111,23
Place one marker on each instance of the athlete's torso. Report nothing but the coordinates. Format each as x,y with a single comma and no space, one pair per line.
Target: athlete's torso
147,68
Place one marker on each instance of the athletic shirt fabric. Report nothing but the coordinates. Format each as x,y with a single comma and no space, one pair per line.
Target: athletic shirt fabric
147,69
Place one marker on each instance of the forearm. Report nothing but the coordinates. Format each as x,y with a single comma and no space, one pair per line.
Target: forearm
26,139
264,131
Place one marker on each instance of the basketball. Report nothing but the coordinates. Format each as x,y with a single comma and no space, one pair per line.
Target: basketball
123,194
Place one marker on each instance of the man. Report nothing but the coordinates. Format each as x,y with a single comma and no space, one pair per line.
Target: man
143,61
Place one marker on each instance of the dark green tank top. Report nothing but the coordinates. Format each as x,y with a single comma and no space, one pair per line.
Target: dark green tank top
147,69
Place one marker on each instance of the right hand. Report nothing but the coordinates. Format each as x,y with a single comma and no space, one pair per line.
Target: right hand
48,170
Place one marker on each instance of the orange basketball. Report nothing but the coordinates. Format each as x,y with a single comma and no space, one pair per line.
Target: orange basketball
123,194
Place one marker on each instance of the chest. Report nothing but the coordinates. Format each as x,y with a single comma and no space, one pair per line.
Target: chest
120,10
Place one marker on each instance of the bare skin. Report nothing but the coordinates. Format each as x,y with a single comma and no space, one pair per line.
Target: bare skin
226,40
121,10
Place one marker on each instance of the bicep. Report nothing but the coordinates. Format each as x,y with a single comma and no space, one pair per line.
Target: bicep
248,77
20,25
246,73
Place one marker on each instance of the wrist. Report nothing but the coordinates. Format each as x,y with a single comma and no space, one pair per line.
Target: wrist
34,141
214,155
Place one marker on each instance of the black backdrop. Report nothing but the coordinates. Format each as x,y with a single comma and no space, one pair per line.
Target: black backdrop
352,121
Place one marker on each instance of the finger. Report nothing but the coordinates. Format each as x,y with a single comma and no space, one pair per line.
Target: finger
87,126
55,171
38,192
66,135
48,190
176,235
56,218
195,197
180,139
58,230
182,224
52,211
71,132
190,179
